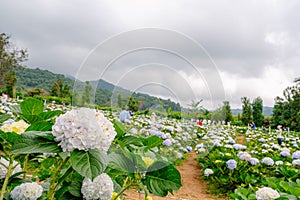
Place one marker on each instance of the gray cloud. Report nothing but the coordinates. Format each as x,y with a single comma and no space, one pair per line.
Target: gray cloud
247,41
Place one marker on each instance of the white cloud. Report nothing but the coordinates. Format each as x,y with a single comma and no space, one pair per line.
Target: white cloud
277,38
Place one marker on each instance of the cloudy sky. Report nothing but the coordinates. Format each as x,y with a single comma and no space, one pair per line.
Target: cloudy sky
183,50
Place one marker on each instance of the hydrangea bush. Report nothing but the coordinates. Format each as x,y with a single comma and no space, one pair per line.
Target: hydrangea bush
80,153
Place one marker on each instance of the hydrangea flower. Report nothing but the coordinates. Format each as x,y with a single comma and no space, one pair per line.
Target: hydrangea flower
3,169
285,153
17,127
296,162
279,162
261,140
208,172
268,161
167,142
100,188
244,156
253,161
179,155
239,146
83,129
231,164
266,193
27,191
296,155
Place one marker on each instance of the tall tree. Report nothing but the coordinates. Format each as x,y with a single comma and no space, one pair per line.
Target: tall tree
86,97
120,104
65,91
196,108
75,98
10,57
227,111
133,104
246,111
57,87
287,110
257,111
10,81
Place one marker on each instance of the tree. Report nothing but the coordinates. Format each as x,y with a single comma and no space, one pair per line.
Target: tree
86,97
65,91
257,111
120,104
133,104
196,108
247,111
227,111
287,110
75,98
10,81
57,87
10,57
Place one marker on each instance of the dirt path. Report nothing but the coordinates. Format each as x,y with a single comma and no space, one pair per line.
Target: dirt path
193,188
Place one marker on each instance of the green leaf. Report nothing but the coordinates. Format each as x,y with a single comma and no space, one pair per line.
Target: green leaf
31,106
75,187
3,118
15,109
49,114
90,163
152,141
287,196
137,141
120,129
10,137
127,162
162,178
34,144
40,126
44,134
32,118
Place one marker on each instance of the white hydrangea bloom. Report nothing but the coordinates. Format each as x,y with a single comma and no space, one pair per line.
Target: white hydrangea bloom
208,172
27,191
101,188
268,161
83,129
266,193
3,170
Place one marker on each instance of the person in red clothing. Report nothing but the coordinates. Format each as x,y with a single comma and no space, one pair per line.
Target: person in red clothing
199,122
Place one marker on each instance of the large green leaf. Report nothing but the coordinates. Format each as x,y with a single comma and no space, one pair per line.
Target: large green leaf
90,163
49,114
127,162
152,141
9,137
15,109
130,139
75,187
40,126
32,106
4,118
161,178
31,119
35,144
120,129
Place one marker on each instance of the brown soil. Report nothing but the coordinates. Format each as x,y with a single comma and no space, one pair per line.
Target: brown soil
241,139
193,188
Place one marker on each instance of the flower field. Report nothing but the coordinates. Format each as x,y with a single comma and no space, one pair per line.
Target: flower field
55,152
258,169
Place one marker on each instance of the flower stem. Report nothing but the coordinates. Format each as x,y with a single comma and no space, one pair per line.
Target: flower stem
53,186
10,169
25,166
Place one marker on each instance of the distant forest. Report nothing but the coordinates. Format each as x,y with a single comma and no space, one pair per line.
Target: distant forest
28,79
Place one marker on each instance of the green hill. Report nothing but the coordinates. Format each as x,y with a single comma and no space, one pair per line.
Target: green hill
28,78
